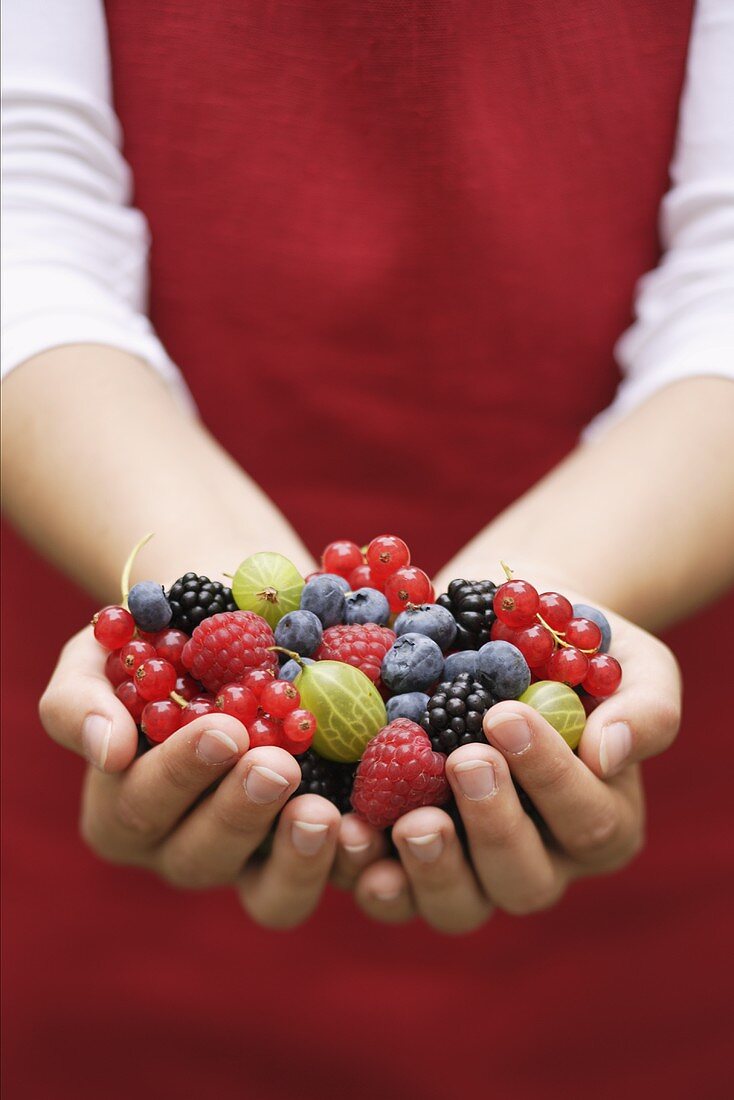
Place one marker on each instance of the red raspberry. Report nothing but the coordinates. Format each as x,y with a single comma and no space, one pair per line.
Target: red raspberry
398,772
362,645
223,647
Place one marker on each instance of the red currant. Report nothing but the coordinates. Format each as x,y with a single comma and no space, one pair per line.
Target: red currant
199,705
385,554
603,677
361,577
567,666
160,719
187,687
155,679
516,603
299,728
131,698
113,627
341,557
169,645
583,634
535,643
257,679
316,573
408,585
555,610
279,698
133,654
114,670
265,731
589,704
500,633
239,701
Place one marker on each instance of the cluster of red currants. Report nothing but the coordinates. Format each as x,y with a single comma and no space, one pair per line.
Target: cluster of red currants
556,644
150,679
384,565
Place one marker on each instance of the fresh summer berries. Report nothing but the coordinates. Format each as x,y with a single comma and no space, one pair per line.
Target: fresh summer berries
187,687
385,555
114,627
114,669
194,598
257,679
366,605
196,708
299,728
603,676
555,610
535,643
155,679
279,698
361,577
583,634
502,668
516,603
169,644
584,611
408,585
149,606
326,778
454,713
398,772
131,698
363,646
300,631
265,731
160,719
223,647
414,663
238,701
325,598
568,666
134,653
470,603
341,557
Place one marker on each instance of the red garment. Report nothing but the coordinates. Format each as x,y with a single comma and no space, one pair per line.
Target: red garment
393,246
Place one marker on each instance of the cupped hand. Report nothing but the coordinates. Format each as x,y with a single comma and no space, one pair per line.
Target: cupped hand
196,808
592,804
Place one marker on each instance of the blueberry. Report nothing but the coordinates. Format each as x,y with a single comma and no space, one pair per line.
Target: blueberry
410,705
291,668
413,664
149,606
301,631
341,581
463,661
325,597
584,611
503,669
429,619
366,605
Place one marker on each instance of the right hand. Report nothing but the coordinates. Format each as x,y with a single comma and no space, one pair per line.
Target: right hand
197,807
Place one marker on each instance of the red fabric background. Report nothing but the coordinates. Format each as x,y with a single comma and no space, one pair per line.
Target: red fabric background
393,246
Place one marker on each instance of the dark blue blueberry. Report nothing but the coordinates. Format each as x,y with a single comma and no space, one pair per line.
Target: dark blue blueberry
463,661
341,581
503,669
366,605
325,597
411,705
430,619
585,611
413,664
300,631
149,606
291,668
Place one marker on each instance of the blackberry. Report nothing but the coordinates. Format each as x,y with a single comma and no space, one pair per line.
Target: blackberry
194,598
454,713
470,602
331,780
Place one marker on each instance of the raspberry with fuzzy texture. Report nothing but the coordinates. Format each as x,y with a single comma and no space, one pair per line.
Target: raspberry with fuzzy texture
223,647
398,772
362,645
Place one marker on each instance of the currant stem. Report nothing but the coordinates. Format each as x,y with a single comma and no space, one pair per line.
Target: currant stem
128,567
506,570
176,698
560,637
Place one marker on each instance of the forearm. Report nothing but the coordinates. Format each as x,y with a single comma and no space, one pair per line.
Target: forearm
641,520
96,452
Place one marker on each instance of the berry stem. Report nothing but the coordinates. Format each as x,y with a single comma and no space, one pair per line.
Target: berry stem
176,698
506,570
560,636
128,567
289,652
229,576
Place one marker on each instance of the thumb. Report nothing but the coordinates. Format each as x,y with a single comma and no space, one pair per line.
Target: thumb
80,711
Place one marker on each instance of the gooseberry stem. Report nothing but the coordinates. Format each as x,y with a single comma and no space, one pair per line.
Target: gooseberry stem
128,567
289,652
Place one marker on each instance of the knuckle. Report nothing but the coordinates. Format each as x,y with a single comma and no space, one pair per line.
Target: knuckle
132,820
598,835
550,776
532,900
175,772
185,871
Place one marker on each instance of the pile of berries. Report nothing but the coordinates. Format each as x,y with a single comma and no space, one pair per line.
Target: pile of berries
357,670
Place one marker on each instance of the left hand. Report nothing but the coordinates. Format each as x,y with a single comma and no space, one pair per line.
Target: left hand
592,803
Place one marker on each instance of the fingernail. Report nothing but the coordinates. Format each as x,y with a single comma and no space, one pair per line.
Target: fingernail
386,895
96,735
215,747
355,849
425,848
509,731
308,837
264,785
477,779
614,747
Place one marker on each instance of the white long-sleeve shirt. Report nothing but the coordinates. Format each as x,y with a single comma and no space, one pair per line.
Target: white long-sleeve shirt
75,251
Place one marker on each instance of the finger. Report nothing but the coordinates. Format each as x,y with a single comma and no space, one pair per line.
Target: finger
80,711
642,718
286,889
514,867
590,819
123,816
443,884
212,844
359,845
383,893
